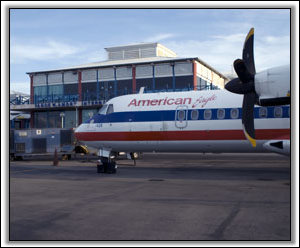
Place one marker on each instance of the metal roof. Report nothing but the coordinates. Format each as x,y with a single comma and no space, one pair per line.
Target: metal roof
133,45
110,63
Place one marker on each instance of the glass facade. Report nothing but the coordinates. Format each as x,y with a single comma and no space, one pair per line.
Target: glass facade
40,94
70,89
163,83
70,119
89,91
55,92
202,84
124,87
110,89
164,79
147,83
70,92
40,119
103,84
184,82
107,90
54,119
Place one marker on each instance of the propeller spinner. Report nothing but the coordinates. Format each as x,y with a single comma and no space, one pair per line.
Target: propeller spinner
244,84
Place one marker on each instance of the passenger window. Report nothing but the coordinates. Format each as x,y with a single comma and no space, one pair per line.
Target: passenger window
110,109
207,114
263,112
277,112
221,114
194,114
234,113
102,111
181,115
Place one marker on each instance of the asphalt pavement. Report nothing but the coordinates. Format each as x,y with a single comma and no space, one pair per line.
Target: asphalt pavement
166,197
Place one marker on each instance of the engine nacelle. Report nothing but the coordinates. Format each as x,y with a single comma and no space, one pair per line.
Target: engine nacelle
273,86
278,146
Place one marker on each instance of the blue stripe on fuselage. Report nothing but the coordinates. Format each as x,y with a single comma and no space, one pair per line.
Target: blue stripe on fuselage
169,115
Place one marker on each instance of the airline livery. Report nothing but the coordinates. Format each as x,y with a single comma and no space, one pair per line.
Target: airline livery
192,121
254,107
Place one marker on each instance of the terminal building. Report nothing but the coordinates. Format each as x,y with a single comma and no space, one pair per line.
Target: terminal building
66,97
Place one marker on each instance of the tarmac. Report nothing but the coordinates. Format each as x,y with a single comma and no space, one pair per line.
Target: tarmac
165,197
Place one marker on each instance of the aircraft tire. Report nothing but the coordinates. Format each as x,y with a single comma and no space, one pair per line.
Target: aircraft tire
100,168
111,168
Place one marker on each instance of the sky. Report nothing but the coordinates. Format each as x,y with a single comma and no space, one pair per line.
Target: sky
45,39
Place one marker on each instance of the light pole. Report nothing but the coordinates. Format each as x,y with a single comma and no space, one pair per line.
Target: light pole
62,115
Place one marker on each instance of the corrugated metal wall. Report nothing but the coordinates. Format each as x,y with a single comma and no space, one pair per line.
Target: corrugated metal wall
42,140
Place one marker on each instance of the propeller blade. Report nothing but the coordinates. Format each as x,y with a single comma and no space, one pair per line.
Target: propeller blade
248,117
237,87
241,70
244,84
234,86
248,56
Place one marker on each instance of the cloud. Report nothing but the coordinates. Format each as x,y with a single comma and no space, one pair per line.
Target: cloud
23,87
20,53
159,37
220,51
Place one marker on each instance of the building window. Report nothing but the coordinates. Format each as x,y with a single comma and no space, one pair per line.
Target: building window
164,83
89,91
202,84
70,119
124,87
88,114
54,119
263,112
71,89
107,90
56,92
40,94
234,113
184,83
221,113
277,112
207,114
40,119
145,82
40,90
194,114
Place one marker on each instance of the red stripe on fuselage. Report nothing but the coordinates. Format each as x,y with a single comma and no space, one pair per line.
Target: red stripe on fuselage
261,134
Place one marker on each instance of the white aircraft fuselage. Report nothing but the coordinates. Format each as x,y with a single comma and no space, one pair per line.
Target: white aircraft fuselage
191,121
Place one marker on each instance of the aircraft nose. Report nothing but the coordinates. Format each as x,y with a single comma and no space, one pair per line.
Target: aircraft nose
77,132
77,129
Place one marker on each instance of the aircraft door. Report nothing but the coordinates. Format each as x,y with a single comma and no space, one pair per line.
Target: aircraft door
181,115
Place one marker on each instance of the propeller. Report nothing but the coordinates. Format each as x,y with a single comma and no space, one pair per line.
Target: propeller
244,84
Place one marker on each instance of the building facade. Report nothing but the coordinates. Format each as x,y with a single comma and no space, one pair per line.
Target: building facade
64,98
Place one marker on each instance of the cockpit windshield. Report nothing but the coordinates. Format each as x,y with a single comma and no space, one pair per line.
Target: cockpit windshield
110,109
106,109
102,111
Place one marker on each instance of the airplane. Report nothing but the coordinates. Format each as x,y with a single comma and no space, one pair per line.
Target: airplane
192,121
